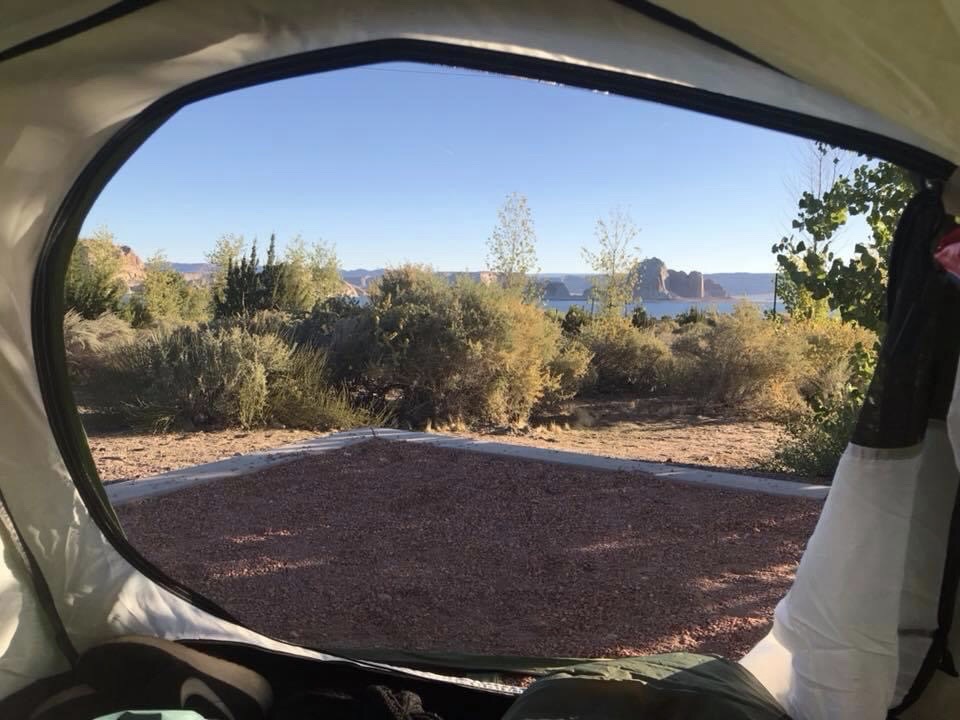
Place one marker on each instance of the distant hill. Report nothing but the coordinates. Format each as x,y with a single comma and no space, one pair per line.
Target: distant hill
202,268
361,277
743,283
734,284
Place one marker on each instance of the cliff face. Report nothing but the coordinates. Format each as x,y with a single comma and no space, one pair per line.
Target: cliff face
652,280
555,290
685,285
132,271
713,289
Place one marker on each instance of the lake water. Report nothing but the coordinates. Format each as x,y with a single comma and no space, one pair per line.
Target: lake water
669,308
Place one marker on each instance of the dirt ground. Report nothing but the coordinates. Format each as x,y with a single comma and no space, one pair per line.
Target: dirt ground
400,545
124,456
636,429
656,430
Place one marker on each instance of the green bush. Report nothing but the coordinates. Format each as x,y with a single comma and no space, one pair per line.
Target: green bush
223,377
574,320
695,314
815,442
641,319
93,285
317,329
623,357
438,353
165,296
567,371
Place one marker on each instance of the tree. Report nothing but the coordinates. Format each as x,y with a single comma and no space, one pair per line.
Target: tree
227,251
853,287
615,261
166,296
306,276
273,281
511,248
574,321
241,292
641,319
312,274
93,284
325,271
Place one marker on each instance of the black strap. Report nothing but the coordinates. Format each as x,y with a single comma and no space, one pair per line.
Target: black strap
108,14
44,595
688,27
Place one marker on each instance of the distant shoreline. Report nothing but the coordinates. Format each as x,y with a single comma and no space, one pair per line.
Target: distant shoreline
760,297
668,308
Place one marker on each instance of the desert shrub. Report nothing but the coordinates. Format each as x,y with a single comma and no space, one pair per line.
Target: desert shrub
434,352
742,361
86,342
261,322
641,319
695,314
574,320
165,296
567,370
624,358
842,358
224,377
834,352
815,441
301,396
317,329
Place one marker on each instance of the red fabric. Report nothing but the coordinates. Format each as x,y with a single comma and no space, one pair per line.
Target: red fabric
948,252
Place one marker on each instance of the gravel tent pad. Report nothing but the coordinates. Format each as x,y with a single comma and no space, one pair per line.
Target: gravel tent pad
397,545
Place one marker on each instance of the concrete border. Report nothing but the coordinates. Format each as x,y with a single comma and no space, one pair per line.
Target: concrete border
130,490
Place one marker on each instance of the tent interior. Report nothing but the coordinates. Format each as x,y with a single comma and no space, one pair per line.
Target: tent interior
88,626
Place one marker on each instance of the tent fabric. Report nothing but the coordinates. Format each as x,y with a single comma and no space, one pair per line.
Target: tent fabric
65,102
895,58
24,20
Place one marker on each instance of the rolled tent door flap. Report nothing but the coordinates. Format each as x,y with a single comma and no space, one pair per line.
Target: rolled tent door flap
861,629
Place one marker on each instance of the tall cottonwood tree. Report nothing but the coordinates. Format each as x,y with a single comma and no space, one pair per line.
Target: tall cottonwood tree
615,261
511,247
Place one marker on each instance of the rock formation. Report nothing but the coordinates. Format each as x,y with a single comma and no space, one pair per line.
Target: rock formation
713,289
685,285
555,290
652,280
132,271
656,282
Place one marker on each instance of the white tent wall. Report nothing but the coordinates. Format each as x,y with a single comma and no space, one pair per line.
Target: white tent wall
896,58
846,640
62,103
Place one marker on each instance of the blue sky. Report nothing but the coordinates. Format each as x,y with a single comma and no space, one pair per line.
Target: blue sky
404,162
